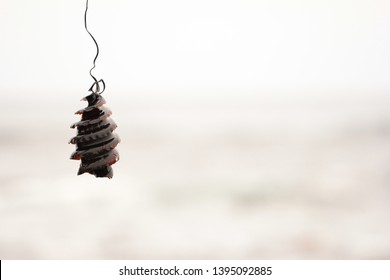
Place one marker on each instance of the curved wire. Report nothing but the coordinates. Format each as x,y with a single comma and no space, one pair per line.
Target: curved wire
95,88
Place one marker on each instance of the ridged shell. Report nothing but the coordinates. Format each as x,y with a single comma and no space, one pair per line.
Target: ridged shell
95,140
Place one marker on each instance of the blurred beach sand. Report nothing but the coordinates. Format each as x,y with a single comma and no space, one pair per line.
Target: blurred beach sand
257,176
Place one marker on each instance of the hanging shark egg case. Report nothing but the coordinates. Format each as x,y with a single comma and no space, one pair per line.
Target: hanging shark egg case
95,141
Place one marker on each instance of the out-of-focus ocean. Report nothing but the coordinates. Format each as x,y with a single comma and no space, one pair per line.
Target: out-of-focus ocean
227,176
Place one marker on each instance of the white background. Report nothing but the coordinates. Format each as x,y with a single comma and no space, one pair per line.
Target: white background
213,44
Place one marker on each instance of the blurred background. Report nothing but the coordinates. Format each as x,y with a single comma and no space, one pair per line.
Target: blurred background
250,129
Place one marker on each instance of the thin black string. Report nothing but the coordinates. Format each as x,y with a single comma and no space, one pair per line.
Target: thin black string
95,88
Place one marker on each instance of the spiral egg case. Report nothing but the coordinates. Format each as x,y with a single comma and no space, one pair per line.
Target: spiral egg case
95,140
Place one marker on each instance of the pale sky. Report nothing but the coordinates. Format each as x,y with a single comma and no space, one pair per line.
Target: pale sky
205,44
